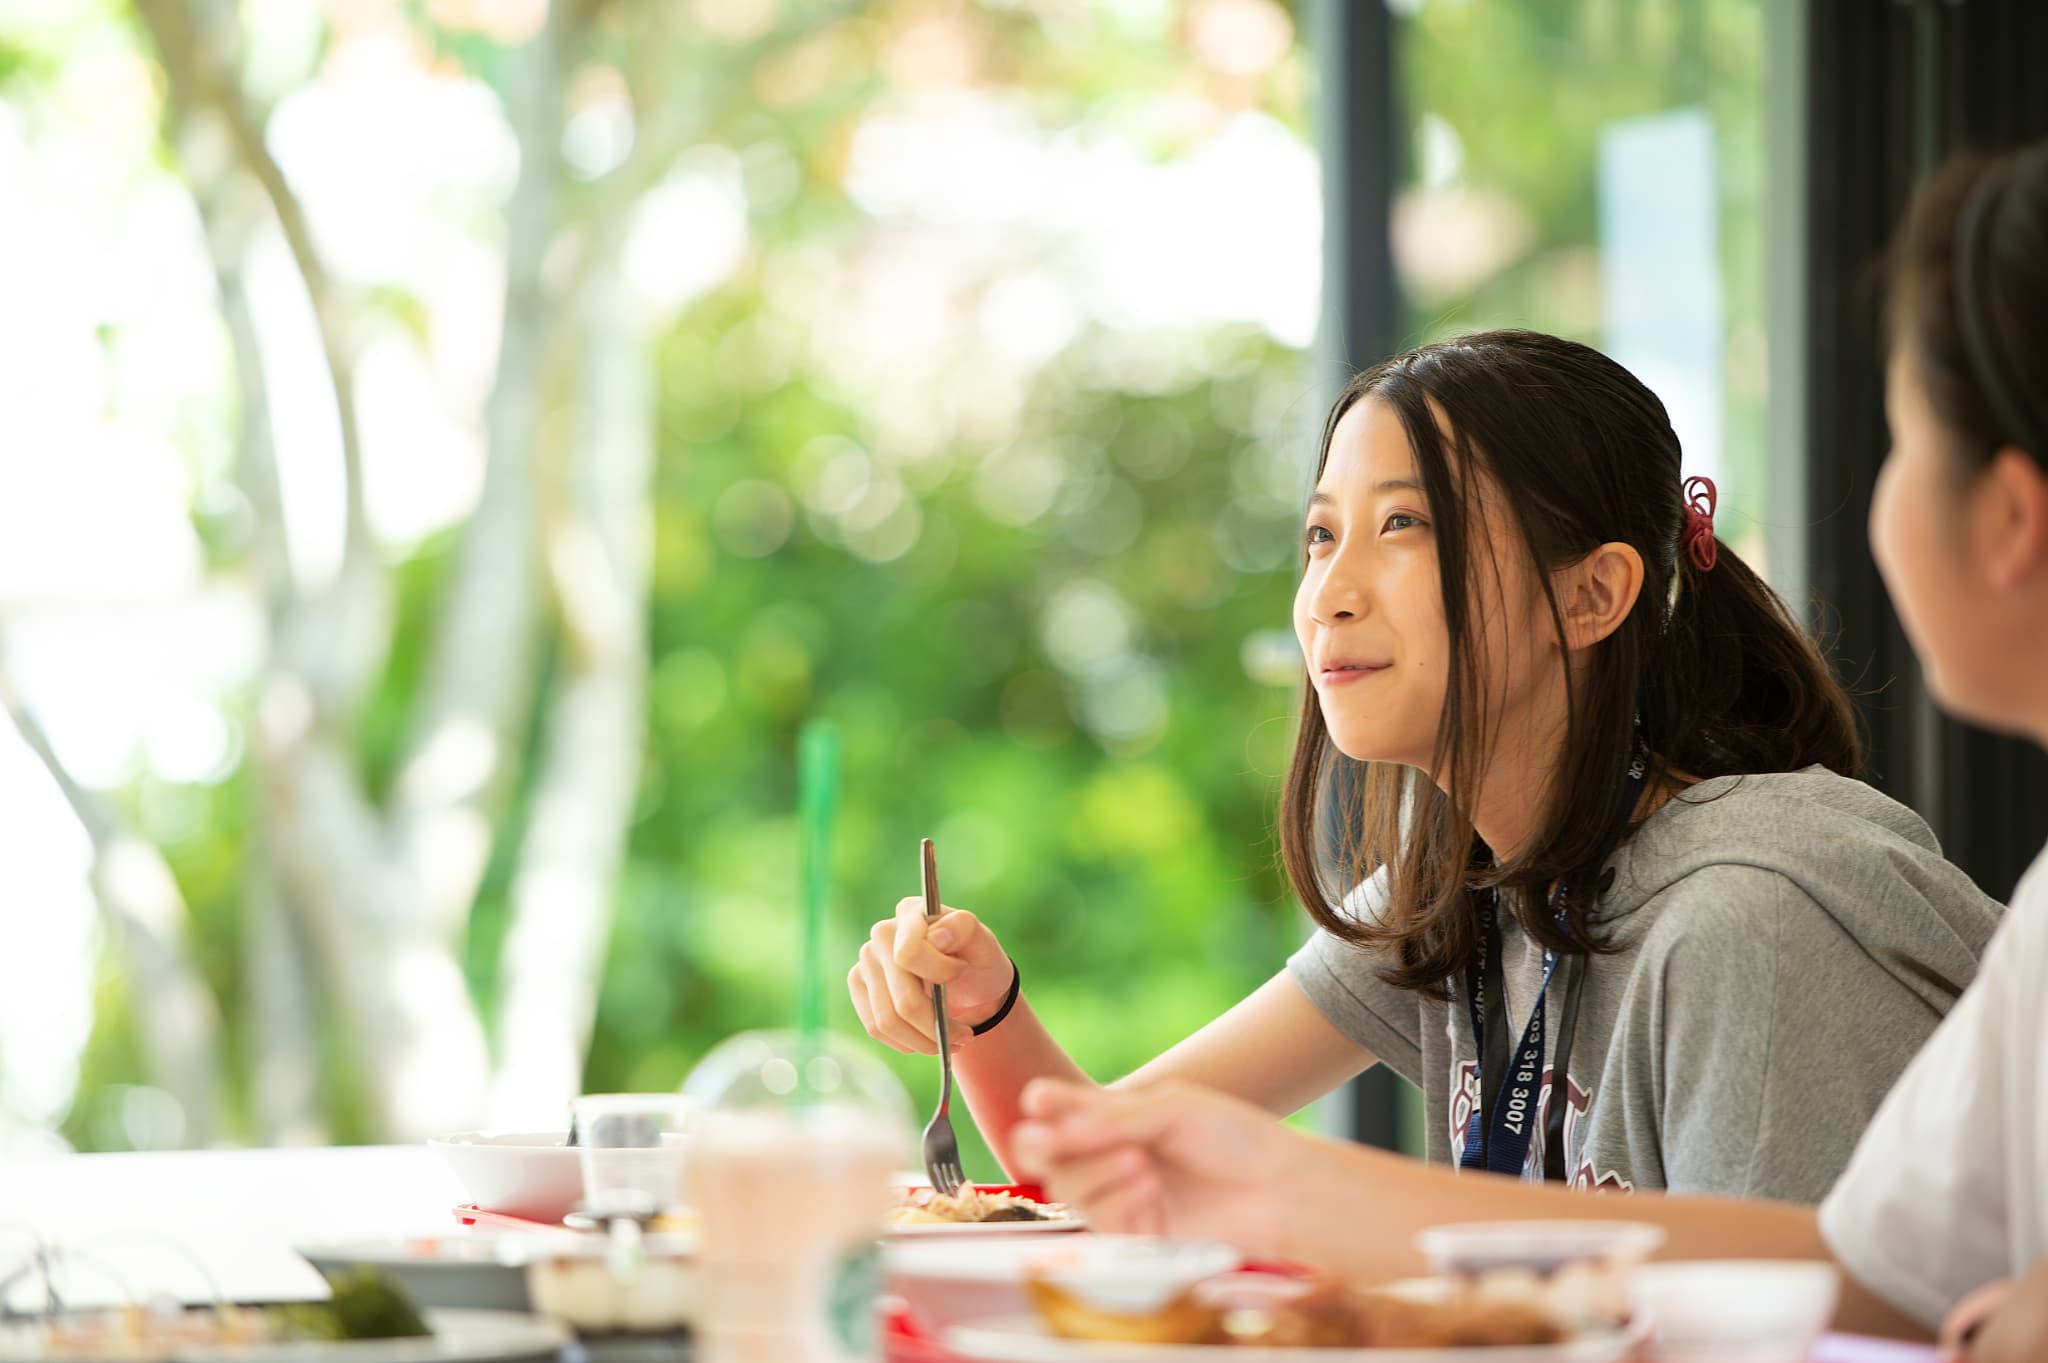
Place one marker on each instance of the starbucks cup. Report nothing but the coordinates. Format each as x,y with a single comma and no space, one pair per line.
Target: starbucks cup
790,1174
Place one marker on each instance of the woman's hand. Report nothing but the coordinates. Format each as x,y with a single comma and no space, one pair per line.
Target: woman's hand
1169,1159
2005,1322
905,956
1968,1318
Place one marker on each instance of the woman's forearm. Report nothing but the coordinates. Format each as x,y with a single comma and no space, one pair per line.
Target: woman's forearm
1369,1234
993,1069
1274,1049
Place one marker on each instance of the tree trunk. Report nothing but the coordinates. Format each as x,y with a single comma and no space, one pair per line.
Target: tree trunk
392,974
598,546
480,678
284,1036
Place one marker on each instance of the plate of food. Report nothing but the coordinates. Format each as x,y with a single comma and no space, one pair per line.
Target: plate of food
1267,1318
979,1209
478,1271
369,1321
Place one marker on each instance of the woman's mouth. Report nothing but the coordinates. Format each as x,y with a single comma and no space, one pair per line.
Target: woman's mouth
1346,673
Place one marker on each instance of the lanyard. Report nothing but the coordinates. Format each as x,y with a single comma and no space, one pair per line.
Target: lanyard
1501,1145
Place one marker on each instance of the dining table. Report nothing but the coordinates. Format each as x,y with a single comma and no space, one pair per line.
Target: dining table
207,1225
201,1226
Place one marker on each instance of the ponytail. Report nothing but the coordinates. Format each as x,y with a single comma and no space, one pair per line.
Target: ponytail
1741,687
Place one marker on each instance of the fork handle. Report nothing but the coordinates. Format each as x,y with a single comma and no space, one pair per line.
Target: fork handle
940,1022
945,1030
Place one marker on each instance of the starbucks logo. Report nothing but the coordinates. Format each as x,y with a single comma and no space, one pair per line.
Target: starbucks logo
850,1306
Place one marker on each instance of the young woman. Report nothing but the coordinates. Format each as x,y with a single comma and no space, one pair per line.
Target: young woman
1572,804
1949,1187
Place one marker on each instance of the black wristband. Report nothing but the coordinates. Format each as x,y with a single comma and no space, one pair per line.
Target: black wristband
1009,1001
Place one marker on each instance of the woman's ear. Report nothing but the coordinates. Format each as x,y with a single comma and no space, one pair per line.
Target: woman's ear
2009,518
1596,594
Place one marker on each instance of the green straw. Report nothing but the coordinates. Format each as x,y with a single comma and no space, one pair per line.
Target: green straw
817,793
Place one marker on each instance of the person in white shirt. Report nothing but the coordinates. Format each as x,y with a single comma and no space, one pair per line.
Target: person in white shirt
1949,1187
1943,1209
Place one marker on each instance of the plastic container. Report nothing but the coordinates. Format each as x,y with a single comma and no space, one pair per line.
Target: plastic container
1578,1270
790,1173
631,1148
949,1282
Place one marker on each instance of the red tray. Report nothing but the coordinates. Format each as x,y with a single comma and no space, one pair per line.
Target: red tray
469,1214
1030,1190
903,1341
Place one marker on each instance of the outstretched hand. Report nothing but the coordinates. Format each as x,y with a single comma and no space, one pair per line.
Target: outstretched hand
1170,1159
2006,1322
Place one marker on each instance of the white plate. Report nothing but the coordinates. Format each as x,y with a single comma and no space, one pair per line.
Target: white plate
1026,1340
919,1230
459,1337
958,1282
474,1271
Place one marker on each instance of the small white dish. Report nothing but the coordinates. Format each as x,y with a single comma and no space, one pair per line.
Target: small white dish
535,1175
950,1282
1131,1275
1736,1311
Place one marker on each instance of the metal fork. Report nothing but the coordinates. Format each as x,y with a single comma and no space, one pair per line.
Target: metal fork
941,1147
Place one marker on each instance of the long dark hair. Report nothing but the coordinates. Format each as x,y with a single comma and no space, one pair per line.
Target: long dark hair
1968,297
1718,674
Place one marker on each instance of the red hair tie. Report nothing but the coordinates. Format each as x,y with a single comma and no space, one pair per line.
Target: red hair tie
1697,538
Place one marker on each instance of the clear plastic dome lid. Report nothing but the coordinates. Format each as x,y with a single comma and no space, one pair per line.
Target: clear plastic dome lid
821,1079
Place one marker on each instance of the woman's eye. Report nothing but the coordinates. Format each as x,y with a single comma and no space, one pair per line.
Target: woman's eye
1401,520
1319,535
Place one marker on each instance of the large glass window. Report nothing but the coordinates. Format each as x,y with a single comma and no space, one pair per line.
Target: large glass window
1597,168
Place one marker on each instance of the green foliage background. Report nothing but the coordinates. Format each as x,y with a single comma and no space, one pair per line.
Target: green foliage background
1135,878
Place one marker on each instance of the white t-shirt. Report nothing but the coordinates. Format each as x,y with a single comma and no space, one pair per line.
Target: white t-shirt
1948,1189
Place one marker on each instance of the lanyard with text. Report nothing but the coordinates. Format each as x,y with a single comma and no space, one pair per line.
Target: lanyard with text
1501,1144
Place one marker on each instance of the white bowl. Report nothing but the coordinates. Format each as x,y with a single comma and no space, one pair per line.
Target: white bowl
1737,1311
530,1174
947,1282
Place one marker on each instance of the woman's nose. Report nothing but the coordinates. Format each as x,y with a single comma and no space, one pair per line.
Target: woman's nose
1338,596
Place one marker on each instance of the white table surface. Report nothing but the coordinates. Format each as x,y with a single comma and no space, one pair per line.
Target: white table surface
239,1212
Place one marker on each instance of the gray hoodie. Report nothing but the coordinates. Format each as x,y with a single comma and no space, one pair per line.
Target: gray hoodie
1784,944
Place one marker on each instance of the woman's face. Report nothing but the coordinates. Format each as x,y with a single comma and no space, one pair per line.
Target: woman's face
1926,533
1370,611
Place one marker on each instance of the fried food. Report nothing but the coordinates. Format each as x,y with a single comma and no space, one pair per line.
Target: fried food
1299,1314
1302,1315
1184,1320
1458,1322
